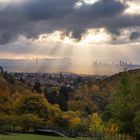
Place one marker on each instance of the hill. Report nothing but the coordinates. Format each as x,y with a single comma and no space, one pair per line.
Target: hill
85,102
94,96
109,84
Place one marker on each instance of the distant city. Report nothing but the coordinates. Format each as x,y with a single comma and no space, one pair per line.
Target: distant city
50,65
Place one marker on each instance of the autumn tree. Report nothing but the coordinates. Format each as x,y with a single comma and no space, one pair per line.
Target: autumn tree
55,114
33,104
95,89
30,122
96,124
5,102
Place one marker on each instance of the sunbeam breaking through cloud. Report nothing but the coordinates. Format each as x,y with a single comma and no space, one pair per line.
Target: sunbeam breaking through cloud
80,31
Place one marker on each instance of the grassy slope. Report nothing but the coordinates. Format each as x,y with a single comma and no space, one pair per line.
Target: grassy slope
41,137
31,137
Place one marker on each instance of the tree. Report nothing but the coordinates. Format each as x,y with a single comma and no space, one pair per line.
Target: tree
30,122
96,124
95,89
33,104
125,106
62,121
51,95
5,102
8,123
63,98
37,87
111,127
82,126
1,70
75,122
55,114
136,122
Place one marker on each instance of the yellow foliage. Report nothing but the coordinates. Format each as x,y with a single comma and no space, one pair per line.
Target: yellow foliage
74,122
112,128
65,116
96,124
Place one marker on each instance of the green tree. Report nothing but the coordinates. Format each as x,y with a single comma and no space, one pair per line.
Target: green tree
33,104
136,122
8,123
125,106
96,124
5,101
29,122
37,87
55,114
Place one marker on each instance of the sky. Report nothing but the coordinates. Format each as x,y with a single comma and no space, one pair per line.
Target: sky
81,30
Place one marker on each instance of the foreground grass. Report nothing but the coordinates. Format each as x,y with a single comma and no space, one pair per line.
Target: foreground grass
31,137
42,137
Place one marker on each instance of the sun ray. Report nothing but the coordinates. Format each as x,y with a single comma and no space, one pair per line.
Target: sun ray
134,8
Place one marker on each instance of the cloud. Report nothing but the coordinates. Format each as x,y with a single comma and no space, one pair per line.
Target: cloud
135,35
32,18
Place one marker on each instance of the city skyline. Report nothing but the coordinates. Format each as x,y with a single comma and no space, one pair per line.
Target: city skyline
51,65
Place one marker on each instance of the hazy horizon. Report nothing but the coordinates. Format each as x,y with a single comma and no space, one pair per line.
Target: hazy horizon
66,65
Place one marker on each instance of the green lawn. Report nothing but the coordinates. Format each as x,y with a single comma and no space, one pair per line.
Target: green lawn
31,137
41,137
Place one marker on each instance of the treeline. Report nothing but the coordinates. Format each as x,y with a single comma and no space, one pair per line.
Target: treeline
124,110
28,112
85,110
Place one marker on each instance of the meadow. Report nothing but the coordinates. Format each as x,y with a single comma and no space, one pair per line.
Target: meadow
31,137
43,137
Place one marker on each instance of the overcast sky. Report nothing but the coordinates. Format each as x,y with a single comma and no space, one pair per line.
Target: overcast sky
80,29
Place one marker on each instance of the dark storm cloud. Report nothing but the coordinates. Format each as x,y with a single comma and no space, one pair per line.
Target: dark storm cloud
48,9
4,38
135,35
101,9
34,17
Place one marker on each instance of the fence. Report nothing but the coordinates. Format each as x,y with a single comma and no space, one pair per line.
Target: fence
109,137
